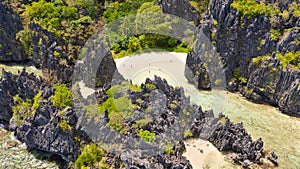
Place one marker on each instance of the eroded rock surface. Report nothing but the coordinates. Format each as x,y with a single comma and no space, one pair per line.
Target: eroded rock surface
11,49
238,39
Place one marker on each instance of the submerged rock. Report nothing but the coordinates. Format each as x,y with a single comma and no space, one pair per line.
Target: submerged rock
273,158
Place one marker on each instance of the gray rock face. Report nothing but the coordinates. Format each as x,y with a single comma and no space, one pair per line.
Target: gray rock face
238,39
25,85
43,133
10,24
220,131
181,8
226,136
270,84
93,70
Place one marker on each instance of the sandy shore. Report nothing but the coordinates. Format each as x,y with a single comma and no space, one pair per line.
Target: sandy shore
167,65
170,66
203,155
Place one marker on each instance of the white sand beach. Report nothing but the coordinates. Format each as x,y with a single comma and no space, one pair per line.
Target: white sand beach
203,155
167,65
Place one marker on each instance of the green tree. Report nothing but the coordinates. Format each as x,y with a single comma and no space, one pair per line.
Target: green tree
146,135
25,109
62,96
91,155
252,8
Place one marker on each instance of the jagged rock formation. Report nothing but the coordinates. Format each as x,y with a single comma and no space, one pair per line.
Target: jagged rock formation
168,113
56,57
270,84
171,114
239,38
226,136
96,68
42,131
181,8
10,24
44,45
25,85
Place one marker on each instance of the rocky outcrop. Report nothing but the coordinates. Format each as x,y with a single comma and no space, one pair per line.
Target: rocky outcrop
270,84
238,39
159,161
54,130
44,133
226,136
49,53
10,24
24,85
181,8
170,111
96,68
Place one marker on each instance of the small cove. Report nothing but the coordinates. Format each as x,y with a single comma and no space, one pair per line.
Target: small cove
279,132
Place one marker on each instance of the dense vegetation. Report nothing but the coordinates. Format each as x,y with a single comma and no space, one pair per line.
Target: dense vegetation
71,21
117,106
146,135
24,109
200,5
92,155
290,60
62,96
74,21
252,8
127,38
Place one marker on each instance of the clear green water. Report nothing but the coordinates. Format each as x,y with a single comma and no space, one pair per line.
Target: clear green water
279,132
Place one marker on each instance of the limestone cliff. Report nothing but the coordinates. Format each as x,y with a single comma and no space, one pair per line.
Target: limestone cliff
241,36
181,8
10,24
